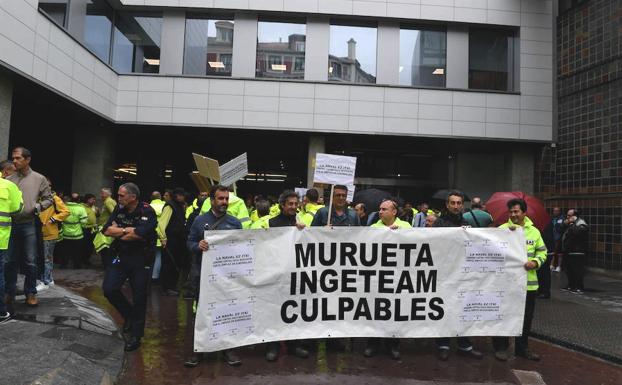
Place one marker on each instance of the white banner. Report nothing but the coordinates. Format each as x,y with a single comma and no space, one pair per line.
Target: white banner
334,169
286,284
233,170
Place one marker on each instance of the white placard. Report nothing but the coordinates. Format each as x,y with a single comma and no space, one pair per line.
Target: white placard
231,260
485,256
334,169
359,282
350,197
233,170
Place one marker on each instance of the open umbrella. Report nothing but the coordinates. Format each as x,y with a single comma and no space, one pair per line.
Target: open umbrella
373,197
497,207
442,195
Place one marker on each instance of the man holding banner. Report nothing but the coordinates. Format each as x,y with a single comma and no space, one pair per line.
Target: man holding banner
289,205
215,219
452,217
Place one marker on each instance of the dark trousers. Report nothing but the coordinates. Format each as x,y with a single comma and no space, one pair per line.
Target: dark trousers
135,269
464,343
388,342
107,255
574,265
544,276
520,343
71,250
172,258
22,253
87,246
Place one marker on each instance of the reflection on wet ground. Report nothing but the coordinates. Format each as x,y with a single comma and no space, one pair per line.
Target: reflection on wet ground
160,359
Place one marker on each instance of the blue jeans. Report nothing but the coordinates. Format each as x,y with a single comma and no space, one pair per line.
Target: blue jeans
22,251
157,264
3,254
48,260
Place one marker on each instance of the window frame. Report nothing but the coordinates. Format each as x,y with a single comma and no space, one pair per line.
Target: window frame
215,17
351,23
514,63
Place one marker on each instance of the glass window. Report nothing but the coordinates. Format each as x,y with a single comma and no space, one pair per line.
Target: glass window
98,27
209,46
280,50
136,45
352,56
55,9
491,59
423,56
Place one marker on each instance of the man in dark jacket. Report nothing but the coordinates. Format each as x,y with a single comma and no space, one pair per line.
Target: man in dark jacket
341,214
288,202
172,233
575,244
452,217
215,219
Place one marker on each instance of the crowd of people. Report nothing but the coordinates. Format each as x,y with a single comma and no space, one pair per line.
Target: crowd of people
161,242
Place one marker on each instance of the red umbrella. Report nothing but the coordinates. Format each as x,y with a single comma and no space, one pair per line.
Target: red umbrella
497,207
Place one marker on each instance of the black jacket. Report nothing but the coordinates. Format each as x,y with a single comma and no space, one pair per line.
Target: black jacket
282,220
576,237
450,220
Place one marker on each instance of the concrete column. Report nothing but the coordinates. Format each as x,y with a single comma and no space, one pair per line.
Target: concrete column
244,45
172,44
76,18
520,171
388,55
316,55
457,56
317,143
6,102
93,161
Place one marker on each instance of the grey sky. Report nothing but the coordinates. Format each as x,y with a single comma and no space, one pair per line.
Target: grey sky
366,42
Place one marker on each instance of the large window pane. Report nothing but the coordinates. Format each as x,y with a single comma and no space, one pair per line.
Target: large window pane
281,50
208,47
98,27
423,56
55,9
352,56
491,59
137,42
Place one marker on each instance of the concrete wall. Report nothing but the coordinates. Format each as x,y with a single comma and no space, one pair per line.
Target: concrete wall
93,163
6,102
40,50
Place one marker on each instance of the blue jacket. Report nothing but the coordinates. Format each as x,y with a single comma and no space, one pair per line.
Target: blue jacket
201,223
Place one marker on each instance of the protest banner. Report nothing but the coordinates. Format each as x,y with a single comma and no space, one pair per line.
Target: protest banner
286,284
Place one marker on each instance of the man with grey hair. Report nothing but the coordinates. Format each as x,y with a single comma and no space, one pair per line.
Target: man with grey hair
133,227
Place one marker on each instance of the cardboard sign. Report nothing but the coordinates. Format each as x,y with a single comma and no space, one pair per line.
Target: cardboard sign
200,181
234,170
334,169
207,167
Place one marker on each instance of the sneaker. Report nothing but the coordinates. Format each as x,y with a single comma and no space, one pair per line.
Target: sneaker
231,358
42,286
502,355
558,269
567,288
5,317
51,283
576,291
193,360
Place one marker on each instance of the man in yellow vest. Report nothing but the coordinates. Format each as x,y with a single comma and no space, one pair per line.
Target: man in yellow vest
388,218
10,203
311,207
262,208
536,256
101,242
158,205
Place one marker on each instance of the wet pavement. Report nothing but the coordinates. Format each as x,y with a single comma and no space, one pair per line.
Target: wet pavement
160,359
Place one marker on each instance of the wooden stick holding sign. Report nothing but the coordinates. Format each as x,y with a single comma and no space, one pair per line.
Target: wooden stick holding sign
330,205
334,170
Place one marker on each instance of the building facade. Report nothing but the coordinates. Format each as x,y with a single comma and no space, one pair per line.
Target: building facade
427,94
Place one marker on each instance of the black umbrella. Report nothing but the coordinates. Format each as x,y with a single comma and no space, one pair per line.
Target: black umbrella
442,195
373,197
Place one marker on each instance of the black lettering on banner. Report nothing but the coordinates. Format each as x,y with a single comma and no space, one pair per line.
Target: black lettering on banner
347,279
416,308
292,284
345,305
367,274
437,312
362,310
405,283
407,247
373,257
329,285
284,317
398,316
425,256
385,277
304,306
325,315
308,282
382,309
387,254
426,284
330,259
348,250
305,259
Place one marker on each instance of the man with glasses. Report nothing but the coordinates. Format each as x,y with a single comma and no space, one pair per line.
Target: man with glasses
341,214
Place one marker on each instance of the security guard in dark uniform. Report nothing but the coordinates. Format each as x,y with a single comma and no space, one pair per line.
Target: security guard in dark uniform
133,226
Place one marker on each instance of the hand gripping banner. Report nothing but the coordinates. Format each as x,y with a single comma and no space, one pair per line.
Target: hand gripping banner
284,284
